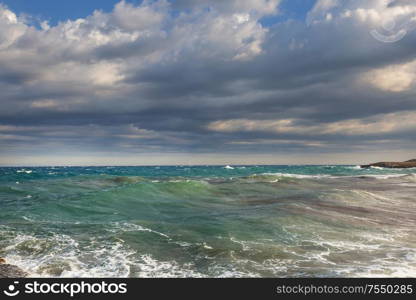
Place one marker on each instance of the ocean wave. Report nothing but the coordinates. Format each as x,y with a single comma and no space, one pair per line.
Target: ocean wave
374,176
326,176
297,176
149,267
129,227
386,266
62,256
355,168
300,176
24,171
265,222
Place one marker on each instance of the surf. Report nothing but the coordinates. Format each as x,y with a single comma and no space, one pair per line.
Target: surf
208,221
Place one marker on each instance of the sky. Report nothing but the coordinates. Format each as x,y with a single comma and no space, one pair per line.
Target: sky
207,82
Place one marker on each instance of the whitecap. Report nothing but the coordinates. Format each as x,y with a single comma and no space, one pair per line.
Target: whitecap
355,168
24,171
298,176
377,168
126,227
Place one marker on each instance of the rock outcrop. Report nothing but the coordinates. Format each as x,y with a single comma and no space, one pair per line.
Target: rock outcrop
394,165
10,271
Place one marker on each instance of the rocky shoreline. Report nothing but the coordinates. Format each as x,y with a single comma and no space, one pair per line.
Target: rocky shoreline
10,271
393,165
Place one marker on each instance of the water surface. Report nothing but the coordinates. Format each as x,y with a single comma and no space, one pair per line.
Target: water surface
209,221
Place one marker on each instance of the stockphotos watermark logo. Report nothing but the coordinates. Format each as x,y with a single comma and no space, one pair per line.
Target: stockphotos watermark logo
392,31
61,288
12,290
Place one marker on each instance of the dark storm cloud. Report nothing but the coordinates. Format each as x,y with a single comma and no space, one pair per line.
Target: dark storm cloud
400,3
145,78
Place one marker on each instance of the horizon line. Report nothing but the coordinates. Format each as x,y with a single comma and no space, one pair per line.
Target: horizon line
171,165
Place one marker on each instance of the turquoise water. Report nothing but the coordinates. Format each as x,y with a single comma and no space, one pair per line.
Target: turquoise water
209,221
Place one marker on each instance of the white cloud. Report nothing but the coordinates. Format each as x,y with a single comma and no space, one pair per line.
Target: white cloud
105,74
372,13
388,123
324,5
253,7
393,78
47,103
11,28
147,16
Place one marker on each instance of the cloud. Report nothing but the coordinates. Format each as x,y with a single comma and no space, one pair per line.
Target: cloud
393,78
144,17
388,123
210,77
256,7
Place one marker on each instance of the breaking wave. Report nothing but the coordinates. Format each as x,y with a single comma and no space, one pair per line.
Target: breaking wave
303,221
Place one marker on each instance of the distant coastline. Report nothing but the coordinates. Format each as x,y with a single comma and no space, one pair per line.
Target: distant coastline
393,165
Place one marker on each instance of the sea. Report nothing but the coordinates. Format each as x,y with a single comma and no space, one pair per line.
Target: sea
209,221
